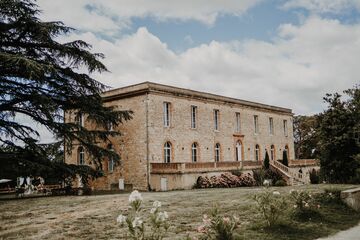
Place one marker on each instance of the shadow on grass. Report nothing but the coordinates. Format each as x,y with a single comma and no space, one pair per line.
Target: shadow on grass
285,231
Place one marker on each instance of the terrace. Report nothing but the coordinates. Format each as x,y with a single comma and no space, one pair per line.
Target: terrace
191,167
200,167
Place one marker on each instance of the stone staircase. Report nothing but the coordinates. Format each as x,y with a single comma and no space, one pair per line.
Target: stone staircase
292,178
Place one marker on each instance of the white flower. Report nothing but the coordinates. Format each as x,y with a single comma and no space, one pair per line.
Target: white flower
152,210
295,206
266,183
292,190
121,219
157,204
137,222
162,216
206,219
135,196
306,205
276,193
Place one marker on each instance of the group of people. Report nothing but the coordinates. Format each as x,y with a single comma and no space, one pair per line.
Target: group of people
29,185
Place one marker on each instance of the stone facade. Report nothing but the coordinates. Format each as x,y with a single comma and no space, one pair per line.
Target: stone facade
143,137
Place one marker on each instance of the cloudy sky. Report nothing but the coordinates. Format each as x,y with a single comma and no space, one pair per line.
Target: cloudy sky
285,53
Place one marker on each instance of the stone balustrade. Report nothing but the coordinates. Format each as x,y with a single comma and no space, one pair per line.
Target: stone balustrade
188,167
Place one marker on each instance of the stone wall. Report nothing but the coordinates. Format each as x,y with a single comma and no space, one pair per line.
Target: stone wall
181,135
131,146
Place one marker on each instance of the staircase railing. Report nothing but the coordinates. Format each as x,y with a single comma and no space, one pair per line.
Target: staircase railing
286,170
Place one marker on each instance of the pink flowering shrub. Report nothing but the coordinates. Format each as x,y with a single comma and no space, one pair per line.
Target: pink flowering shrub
217,227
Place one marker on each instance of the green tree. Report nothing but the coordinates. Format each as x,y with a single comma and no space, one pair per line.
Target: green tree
285,160
266,161
338,135
41,79
305,136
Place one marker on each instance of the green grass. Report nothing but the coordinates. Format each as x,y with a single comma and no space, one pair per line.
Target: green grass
93,217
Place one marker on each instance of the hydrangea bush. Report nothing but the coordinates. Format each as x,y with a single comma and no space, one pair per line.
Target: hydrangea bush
136,223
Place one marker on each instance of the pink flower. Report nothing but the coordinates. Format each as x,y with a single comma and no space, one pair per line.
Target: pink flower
201,229
226,220
206,219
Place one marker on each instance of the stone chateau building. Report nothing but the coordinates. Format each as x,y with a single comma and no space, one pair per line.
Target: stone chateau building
178,134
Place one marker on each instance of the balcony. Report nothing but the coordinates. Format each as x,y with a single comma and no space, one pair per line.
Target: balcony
200,167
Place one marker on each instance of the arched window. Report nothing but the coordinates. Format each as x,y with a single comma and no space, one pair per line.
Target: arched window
272,153
167,152
238,151
257,152
81,156
217,152
111,160
79,119
287,151
194,152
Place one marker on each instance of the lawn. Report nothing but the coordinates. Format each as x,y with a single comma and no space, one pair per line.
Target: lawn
94,217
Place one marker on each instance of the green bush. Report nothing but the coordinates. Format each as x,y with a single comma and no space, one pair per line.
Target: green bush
305,205
266,161
274,175
259,176
314,177
285,159
217,227
271,206
280,183
330,195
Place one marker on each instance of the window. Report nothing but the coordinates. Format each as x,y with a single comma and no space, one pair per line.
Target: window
167,152
238,150
194,152
216,119
285,128
256,123
166,114
217,152
271,126
111,160
238,126
81,156
79,119
272,153
257,152
109,126
193,116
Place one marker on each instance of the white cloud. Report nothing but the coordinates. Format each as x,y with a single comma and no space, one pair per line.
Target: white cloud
323,6
295,70
108,16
